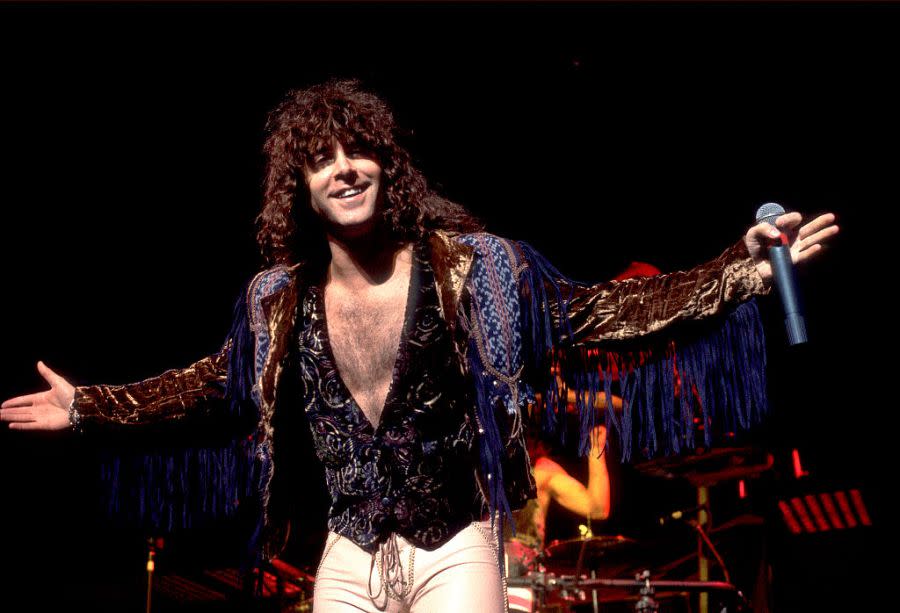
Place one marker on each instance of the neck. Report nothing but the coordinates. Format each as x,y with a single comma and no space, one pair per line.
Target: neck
364,261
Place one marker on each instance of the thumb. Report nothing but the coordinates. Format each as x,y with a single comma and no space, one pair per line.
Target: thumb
48,375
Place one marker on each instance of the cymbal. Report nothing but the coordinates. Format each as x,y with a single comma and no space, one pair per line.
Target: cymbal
710,466
570,549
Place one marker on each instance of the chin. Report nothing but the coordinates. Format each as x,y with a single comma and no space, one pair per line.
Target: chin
357,228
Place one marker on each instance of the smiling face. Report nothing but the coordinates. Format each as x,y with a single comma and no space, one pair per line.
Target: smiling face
345,189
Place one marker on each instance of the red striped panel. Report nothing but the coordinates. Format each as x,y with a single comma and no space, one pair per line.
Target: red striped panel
789,518
831,511
844,506
801,512
860,507
816,510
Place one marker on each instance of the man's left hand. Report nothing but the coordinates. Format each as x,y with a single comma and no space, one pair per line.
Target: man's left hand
805,242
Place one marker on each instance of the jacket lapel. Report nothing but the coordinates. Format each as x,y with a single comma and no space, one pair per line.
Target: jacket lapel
280,312
451,262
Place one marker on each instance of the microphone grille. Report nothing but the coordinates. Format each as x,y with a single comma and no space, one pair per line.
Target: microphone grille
769,212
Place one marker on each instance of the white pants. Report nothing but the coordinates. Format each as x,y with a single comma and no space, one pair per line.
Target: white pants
460,575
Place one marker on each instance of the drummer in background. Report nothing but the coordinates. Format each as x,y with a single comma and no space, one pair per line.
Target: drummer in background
554,483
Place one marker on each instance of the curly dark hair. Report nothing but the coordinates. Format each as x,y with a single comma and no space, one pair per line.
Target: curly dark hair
306,121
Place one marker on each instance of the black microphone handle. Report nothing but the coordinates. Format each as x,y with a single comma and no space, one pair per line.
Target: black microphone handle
786,282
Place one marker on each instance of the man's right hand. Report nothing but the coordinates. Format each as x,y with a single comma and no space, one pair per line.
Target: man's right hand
598,441
47,410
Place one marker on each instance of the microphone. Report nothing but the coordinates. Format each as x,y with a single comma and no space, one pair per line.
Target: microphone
680,514
785,279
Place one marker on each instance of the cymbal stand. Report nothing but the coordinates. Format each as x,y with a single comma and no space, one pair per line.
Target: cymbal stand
579,567
702,562
705,538
151,567
646,603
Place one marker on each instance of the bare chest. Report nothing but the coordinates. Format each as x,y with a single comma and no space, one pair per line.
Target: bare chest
364,331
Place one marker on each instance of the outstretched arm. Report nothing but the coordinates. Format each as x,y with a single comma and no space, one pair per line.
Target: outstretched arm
624,310
47,410
171,395
591,500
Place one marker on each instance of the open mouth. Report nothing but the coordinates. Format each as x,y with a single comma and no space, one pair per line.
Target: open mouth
349,193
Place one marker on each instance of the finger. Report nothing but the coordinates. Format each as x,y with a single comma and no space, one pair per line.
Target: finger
48,375
807,253
17,411
820,222
26,415
22,401
817,238
763,231
789,221
27,425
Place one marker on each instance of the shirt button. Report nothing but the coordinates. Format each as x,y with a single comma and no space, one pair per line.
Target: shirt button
387,501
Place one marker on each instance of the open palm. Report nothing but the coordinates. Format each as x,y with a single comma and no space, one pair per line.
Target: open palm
47,410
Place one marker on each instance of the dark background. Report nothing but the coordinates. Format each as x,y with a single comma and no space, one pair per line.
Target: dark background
600,133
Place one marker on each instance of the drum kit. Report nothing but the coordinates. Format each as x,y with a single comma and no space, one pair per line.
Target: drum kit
553,592
604,572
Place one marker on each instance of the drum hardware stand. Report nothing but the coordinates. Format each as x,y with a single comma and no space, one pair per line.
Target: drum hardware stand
586,533
705,539
699,525
152,545
702,561
646,603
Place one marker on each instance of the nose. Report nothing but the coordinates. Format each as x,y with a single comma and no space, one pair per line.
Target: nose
342,164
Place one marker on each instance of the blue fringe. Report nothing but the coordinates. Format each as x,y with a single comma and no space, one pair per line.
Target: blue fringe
241,362
172,489
536,279
491,445
490,441
192,484
721,365
722,387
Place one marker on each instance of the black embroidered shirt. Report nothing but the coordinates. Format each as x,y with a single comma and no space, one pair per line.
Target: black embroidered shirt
412,474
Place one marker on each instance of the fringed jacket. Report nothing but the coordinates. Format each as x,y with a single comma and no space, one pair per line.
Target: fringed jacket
514,320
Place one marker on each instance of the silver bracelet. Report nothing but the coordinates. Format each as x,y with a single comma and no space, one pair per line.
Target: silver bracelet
75,417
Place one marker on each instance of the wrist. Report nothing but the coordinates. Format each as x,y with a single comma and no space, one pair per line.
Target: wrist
75,421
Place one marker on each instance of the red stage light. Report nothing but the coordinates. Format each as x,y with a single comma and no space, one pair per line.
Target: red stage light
860,507
789,519
844,506
816,511
805,519
798,467
831,511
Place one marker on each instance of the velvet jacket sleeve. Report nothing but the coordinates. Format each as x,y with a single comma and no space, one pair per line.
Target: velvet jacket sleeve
170,396
636,307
